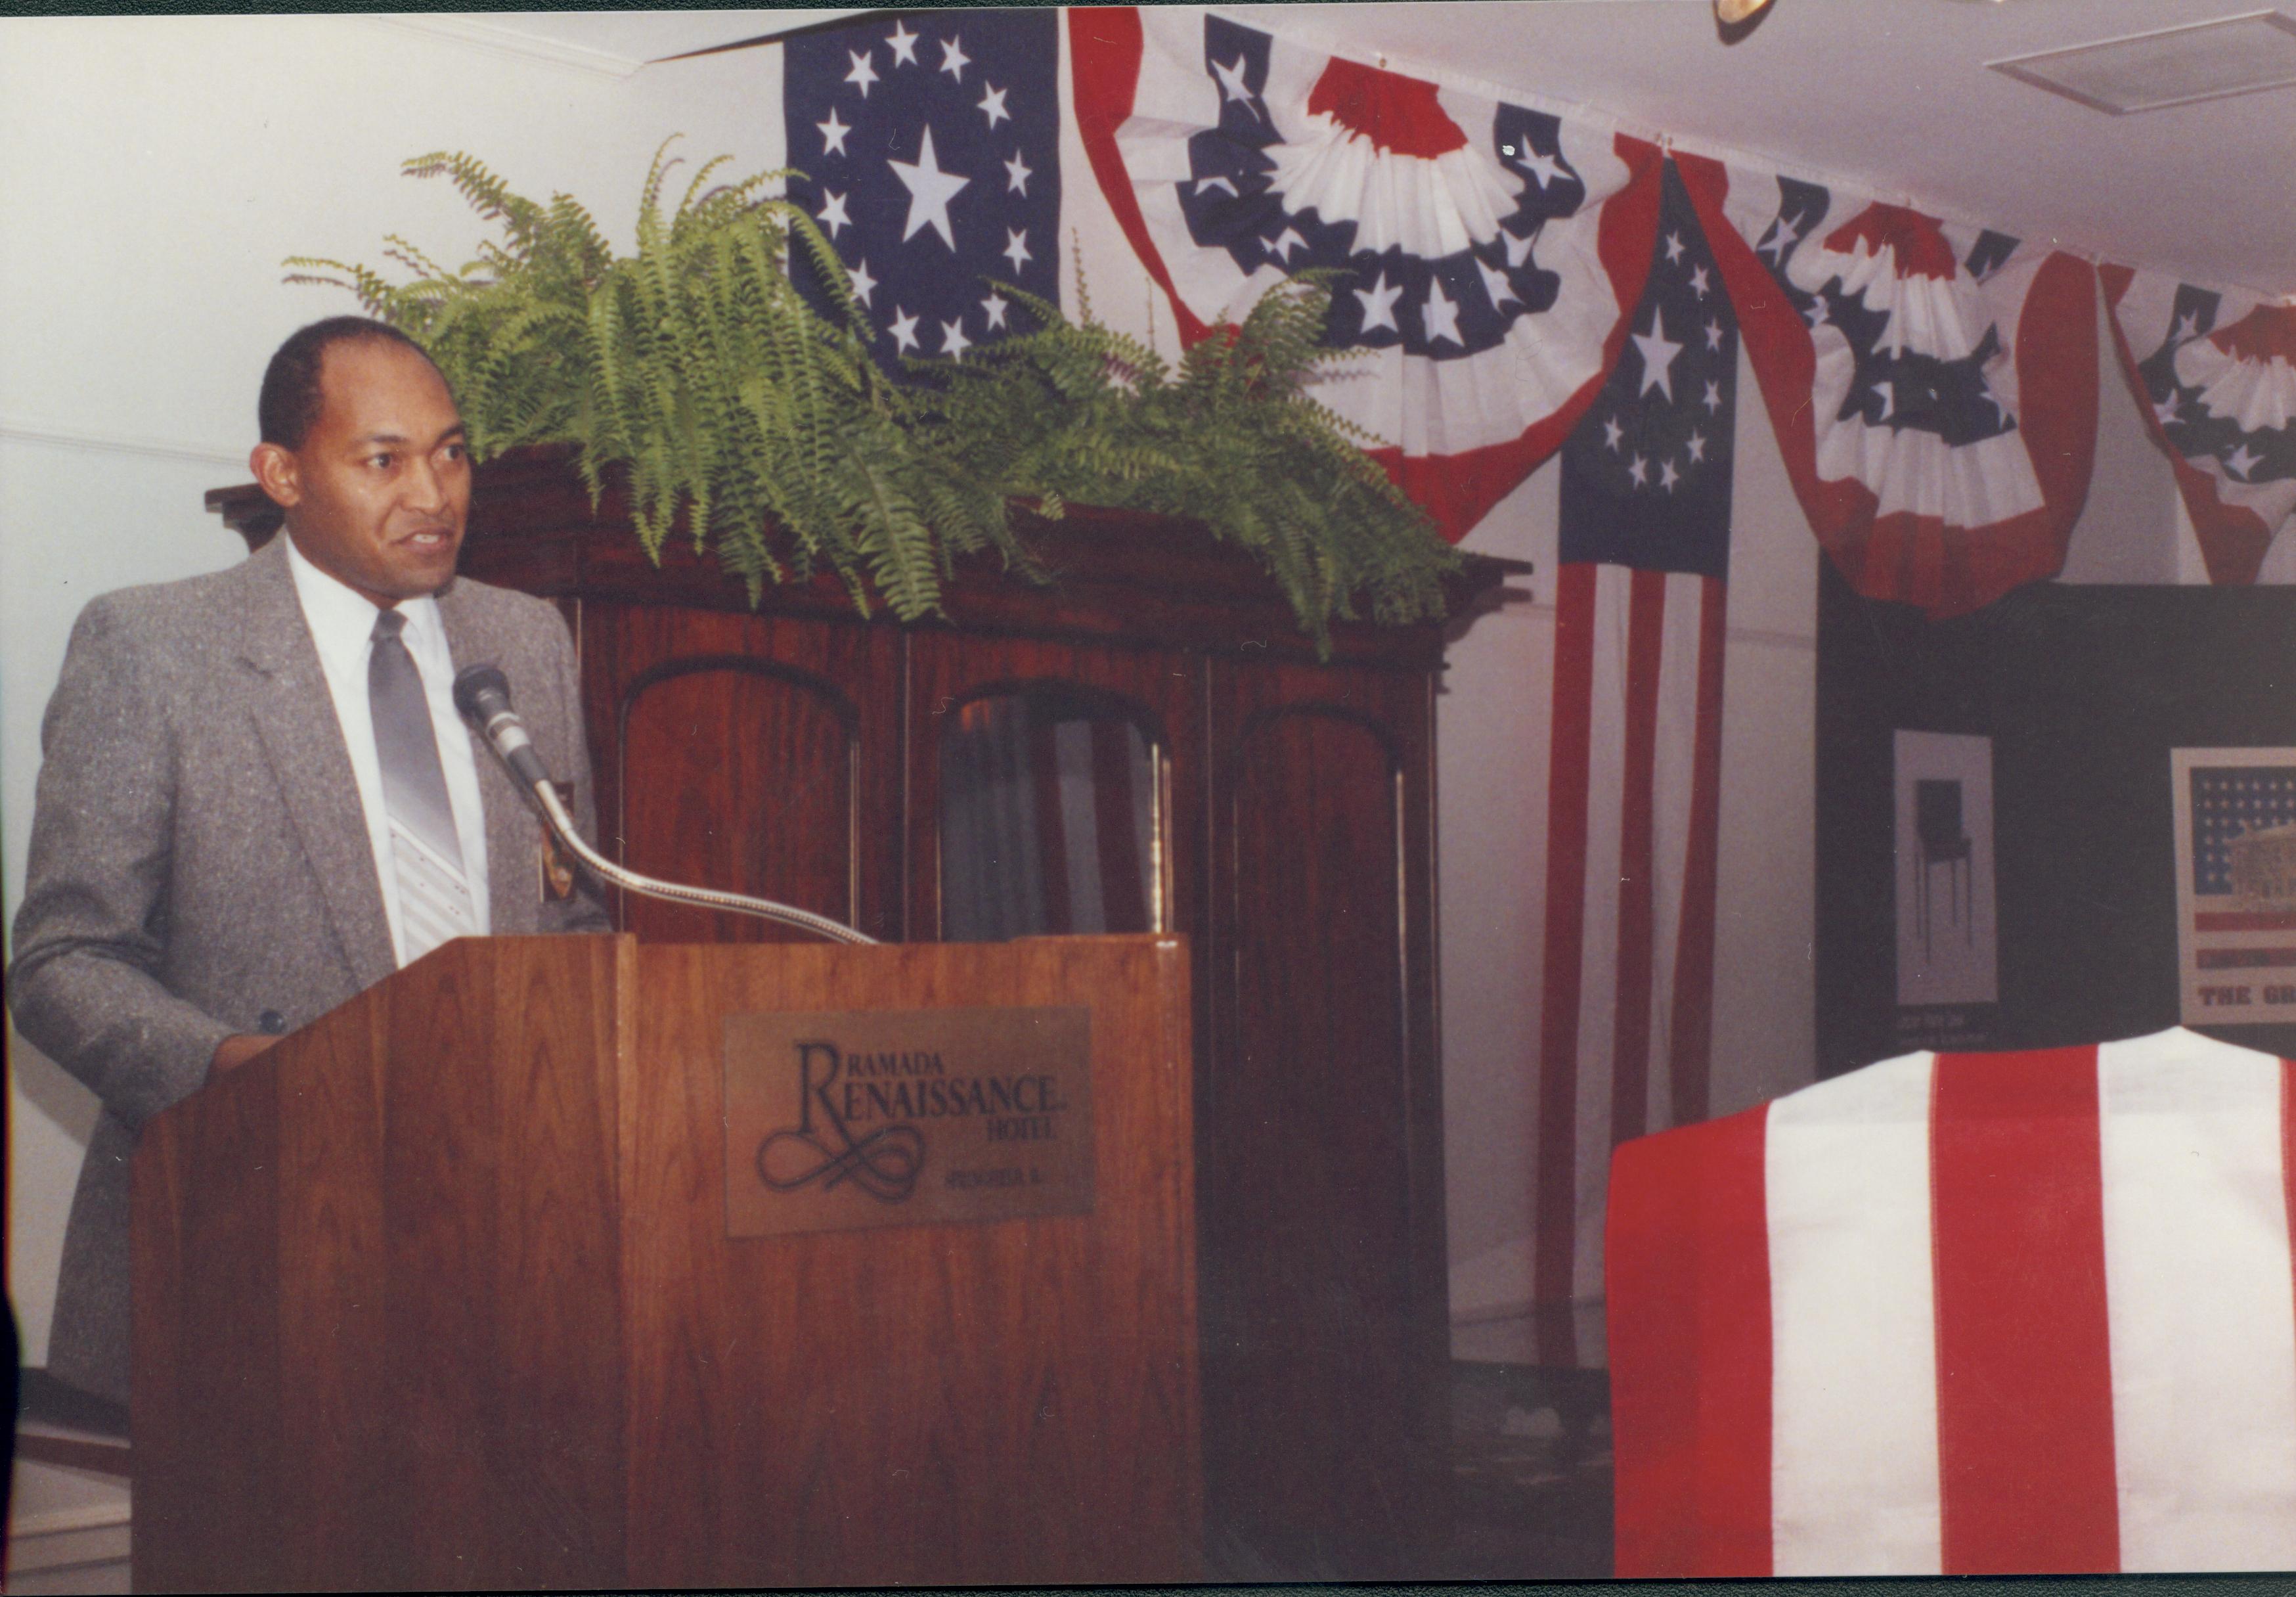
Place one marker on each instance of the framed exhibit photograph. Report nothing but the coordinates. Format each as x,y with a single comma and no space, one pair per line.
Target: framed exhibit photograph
2235,824
1947,939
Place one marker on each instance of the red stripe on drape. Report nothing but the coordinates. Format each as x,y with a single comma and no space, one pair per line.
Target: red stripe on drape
2288,1160
1637,822
1555,1210
1687,1283
1691,1066
2024,1371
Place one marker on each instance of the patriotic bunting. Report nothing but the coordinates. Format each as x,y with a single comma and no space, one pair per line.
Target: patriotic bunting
1633,798
929,147
1933,388
2215,374
1980,1314
1485,252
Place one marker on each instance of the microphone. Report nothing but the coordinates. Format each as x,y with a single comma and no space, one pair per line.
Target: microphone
482,695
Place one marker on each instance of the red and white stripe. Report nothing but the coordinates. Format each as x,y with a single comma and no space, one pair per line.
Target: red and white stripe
1964,1315
1633,798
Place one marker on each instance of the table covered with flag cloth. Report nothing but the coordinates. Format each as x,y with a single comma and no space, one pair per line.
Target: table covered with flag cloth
1964,1313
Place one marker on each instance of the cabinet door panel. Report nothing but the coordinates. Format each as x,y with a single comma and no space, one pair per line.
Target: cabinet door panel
753,753
1321,1181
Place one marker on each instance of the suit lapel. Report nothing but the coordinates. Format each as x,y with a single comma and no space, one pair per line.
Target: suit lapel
514,884
303,741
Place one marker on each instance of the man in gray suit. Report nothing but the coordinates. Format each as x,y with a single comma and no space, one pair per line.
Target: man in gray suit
256,798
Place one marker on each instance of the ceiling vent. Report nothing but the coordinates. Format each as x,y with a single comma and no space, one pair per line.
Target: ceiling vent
2173,66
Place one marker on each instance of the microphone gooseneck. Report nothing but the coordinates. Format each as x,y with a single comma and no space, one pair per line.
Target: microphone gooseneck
482,695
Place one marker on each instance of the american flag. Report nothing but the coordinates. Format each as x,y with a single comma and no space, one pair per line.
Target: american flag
1964,1315
1932,388
2214,374
1634,785
929,143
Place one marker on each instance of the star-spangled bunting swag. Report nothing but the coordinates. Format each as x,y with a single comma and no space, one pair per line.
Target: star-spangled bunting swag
1635,774
929,143
1933,388
2216,376
1486,253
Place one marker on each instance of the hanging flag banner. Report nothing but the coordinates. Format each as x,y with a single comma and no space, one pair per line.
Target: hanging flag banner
929,146
1486,253
1635,779
2215,374
1934,388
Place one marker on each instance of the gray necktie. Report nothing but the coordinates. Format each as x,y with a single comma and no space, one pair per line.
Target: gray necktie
434,896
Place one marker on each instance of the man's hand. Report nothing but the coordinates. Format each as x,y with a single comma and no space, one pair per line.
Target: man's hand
234,1051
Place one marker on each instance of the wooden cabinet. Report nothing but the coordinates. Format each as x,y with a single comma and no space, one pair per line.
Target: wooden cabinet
797,751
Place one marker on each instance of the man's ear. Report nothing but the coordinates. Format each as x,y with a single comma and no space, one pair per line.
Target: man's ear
277,473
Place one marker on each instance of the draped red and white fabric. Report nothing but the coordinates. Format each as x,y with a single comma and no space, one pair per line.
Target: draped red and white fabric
1485,254
1964,1315
2214,373
1933,388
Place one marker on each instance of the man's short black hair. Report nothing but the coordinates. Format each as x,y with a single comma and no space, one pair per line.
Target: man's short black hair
289,405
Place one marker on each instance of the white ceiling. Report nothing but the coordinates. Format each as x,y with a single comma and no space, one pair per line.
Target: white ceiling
1890,95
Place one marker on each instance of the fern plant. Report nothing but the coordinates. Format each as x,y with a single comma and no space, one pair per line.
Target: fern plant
697,367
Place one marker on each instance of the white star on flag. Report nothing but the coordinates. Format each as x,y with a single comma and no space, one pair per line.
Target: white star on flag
2166,411
1017,175
1541,166
904,330
1888,393
1233,86
832,212
952,58
1496,285
1613,432
2241,461
1518,248
1284,243
992,105
1780,238
1640,472
903,44
1673,248
953,341
931,190
863,285
832,136
1658,353
993,309
1714,335
1818,313
1713,400
1440,315
1379,304
1668,476
1698,281
863,73
1016,246
1697,445
1205,186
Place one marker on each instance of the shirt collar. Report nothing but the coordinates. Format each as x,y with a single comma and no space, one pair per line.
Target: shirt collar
342,619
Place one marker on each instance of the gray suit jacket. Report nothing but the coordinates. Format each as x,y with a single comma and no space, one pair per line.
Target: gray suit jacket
199,858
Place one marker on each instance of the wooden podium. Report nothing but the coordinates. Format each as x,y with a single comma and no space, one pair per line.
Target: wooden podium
439,1293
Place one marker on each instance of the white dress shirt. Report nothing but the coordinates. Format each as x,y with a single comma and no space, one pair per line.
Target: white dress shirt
342,625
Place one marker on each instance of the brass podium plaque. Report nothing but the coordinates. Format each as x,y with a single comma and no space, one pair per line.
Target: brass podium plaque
841,1120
